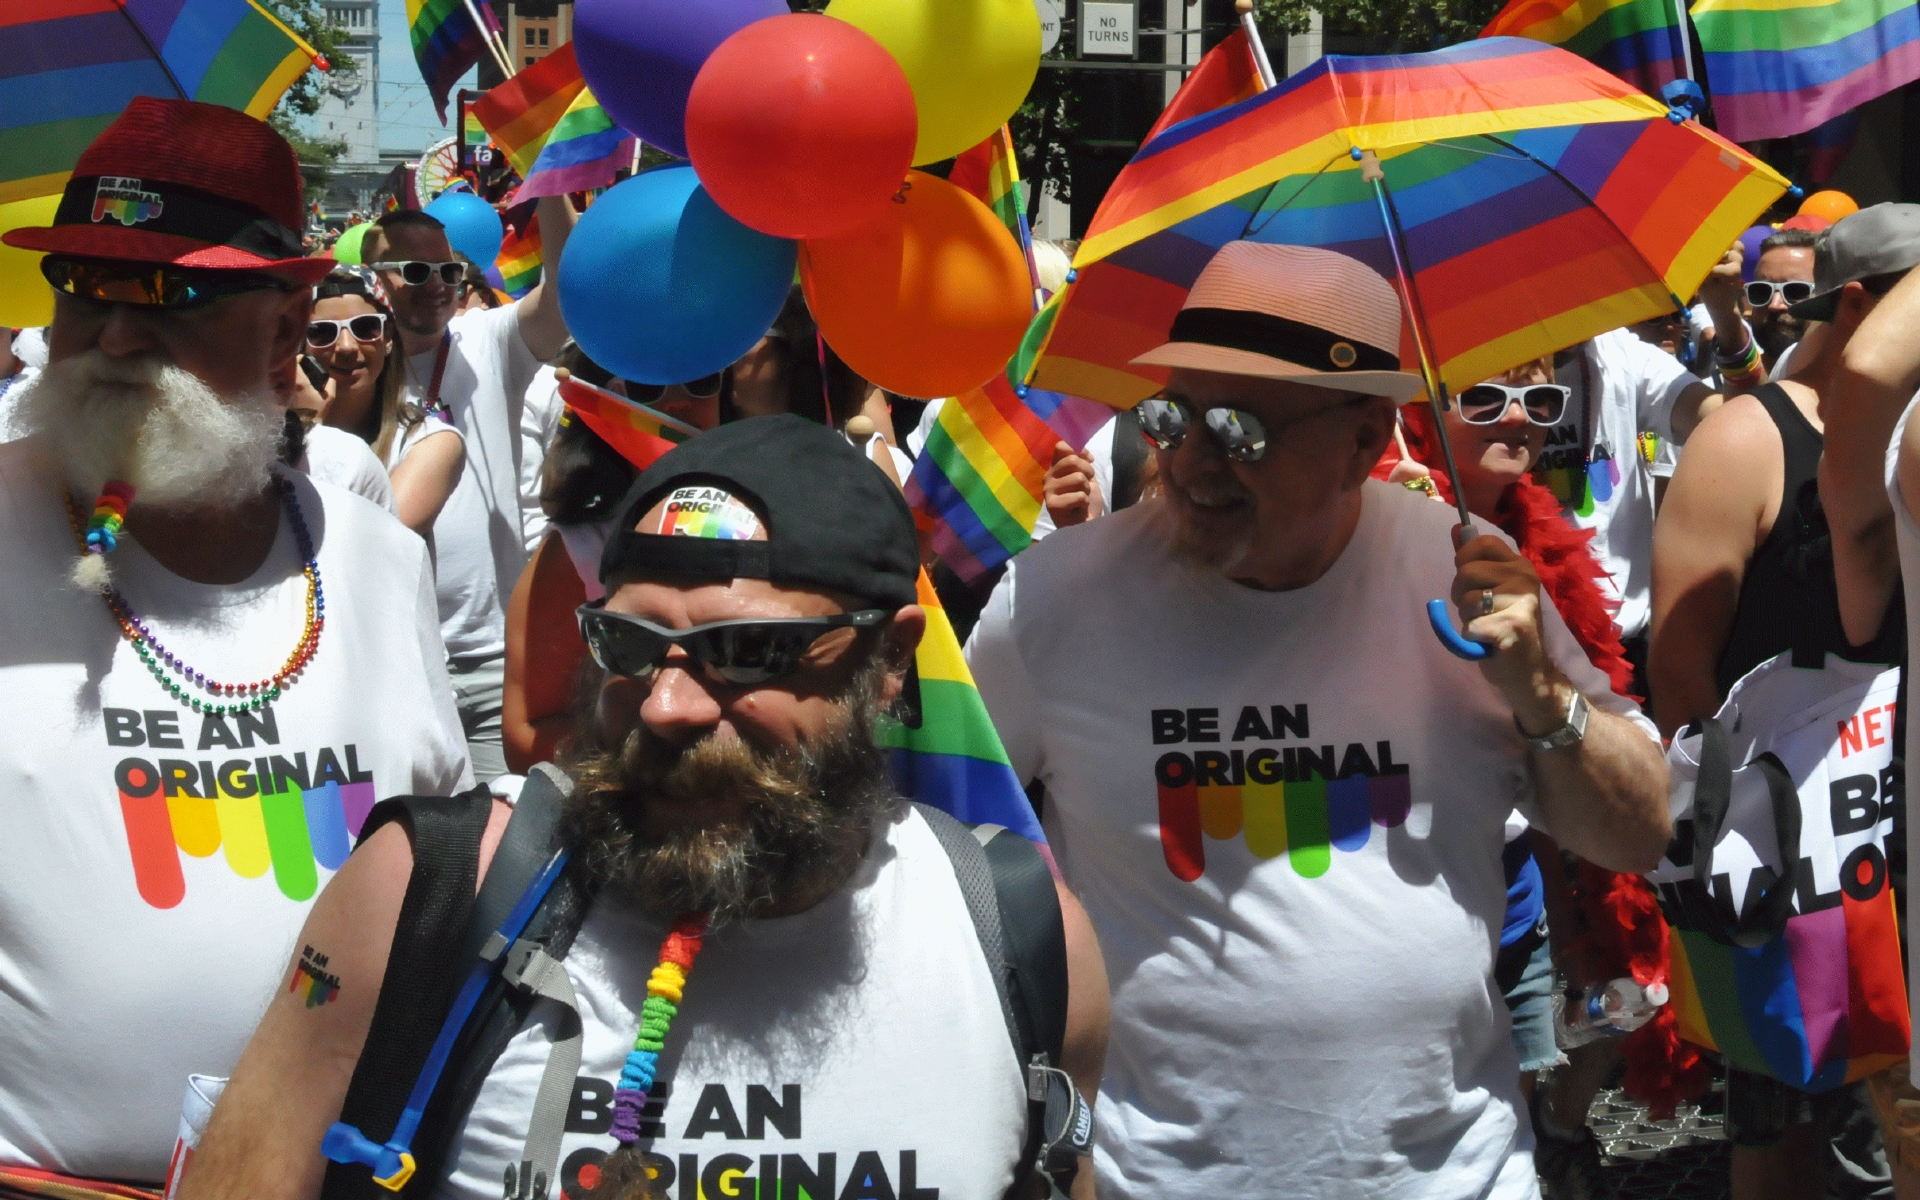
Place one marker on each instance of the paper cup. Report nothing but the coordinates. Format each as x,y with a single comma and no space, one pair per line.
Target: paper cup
203,1092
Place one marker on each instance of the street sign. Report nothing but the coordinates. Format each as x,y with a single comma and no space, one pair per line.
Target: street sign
1049,24
1106,29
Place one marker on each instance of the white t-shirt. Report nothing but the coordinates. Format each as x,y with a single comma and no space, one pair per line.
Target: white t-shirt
1301,970
477,534
859,1040
539,421
345,461
407,440
145,934
1597,467
1907,535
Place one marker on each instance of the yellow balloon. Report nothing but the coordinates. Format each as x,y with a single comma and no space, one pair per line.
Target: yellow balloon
970,62
25,299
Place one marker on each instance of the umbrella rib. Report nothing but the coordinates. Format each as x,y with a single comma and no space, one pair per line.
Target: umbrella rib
1261,210
1573,187
151,48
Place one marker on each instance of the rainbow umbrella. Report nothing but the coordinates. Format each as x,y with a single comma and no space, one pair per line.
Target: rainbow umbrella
1520,198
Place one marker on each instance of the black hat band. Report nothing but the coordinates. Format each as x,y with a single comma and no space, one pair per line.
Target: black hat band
1277,337
156,206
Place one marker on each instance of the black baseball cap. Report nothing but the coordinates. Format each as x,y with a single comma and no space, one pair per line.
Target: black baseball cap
832,519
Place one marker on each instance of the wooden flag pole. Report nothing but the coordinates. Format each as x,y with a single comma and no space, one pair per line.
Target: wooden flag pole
492,39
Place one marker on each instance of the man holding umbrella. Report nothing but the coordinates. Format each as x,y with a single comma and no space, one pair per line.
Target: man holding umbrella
1283,804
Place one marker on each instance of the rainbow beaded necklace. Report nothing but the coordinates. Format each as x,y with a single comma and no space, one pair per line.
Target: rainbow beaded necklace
664,989
232,697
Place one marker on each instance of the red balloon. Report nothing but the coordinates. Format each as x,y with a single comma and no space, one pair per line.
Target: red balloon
801,126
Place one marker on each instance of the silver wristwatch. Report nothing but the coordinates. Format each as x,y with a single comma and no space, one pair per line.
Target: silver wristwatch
1571,731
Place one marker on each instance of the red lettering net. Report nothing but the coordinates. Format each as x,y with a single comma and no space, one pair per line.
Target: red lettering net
1301,801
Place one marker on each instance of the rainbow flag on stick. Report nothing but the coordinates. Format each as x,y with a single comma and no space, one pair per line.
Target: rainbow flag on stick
978,479
520,113
1226,75
519,261
1642,41
583,151
946,754
447,43
639,433
71,66
1780,67
991,174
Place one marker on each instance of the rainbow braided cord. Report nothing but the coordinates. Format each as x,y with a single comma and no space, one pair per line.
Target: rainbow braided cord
664,989
109,516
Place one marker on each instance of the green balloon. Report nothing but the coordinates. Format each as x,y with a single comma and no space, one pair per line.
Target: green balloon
347,249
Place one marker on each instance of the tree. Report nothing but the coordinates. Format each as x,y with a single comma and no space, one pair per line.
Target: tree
1393,26
317,155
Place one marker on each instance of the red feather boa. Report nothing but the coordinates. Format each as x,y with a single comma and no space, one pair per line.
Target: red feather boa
1623,932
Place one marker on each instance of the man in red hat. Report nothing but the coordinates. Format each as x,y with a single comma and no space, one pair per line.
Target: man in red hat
192,737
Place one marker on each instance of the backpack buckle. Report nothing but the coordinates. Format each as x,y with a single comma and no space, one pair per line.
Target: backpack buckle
1067,1127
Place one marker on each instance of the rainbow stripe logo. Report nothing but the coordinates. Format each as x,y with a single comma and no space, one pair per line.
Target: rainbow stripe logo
287,816
121,199
707,512
1300,801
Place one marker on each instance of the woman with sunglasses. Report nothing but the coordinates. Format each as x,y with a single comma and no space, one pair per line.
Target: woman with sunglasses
1498,429
352,336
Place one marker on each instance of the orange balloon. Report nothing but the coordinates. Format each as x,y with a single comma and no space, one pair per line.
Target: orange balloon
930,300
1829,204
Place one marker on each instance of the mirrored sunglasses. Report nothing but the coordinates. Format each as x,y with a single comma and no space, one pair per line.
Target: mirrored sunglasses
414,272
1760,292
367,327
1241,436
703,388
742,653
149,285
1487,403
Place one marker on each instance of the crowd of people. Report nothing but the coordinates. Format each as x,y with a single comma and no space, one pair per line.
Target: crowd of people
1319,899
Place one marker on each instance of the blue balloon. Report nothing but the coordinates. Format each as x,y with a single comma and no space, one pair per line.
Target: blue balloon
473,228
658,285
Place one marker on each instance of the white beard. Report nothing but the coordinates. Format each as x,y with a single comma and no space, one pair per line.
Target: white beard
157,427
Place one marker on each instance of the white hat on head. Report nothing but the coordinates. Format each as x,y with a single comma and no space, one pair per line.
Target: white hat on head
1297,313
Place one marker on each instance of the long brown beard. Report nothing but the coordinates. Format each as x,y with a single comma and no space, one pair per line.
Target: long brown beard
804,813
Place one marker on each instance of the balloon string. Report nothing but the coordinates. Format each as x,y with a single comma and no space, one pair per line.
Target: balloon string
826,393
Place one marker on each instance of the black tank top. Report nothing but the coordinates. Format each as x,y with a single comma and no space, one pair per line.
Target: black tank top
1788,599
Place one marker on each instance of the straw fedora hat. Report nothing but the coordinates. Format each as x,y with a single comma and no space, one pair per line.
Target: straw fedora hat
1298,313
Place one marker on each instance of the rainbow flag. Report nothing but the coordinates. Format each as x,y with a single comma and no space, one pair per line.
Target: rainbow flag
1642,41
519,260
991,174
1829,145
520,113
639,433
71,66
446,42
978,479
1780,67
584,151
1226,75
946,753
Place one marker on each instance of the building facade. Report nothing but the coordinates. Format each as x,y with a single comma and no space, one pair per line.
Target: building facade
350,107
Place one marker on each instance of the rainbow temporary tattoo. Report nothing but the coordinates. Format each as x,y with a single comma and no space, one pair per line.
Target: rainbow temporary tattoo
708,512
311,982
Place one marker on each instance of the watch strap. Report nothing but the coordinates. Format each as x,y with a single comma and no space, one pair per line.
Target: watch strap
1571,731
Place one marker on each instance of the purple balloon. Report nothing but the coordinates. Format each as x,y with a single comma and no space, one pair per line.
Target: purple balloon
640,57
1749,248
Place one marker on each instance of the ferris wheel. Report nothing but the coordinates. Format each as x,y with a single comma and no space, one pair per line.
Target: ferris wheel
439,170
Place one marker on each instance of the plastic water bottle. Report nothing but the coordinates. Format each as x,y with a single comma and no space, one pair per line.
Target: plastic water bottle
1612,1009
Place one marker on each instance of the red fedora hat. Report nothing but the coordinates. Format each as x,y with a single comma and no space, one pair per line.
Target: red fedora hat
186,184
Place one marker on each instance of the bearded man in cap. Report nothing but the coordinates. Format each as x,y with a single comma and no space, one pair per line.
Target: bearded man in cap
193,733
1280,798
779,935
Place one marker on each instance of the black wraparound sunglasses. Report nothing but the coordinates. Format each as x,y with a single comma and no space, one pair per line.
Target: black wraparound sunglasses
734,652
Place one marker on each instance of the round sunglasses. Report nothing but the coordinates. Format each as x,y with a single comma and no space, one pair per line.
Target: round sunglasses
741,653
367,327
1487,403
147,285
1760,292
1241,436
413,272
703,388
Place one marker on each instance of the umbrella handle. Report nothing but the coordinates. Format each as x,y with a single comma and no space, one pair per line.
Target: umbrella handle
1450,638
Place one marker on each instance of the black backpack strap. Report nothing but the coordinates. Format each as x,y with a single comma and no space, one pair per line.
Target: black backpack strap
525,848
1010,896
421,967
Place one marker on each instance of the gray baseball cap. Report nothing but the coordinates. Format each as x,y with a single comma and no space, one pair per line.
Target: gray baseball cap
1882,240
